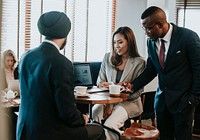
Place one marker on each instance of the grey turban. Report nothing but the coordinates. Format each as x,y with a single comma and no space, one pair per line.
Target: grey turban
54,24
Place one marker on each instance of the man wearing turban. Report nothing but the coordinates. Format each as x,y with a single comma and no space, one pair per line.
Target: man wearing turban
48,110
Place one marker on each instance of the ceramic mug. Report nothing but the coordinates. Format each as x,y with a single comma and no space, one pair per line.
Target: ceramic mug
115,89
81,89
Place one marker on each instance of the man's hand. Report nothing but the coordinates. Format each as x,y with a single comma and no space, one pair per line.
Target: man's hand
127,85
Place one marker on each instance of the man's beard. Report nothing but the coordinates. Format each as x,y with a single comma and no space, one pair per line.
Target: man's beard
63,45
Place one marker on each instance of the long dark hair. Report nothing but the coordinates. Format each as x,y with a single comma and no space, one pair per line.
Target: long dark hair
128,34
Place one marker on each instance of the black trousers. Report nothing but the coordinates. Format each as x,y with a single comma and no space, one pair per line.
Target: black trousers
95,132
175,125
196,128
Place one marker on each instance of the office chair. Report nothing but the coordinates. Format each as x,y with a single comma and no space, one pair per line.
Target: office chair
95,67
139,131
148,107
133,131
148,113
148,110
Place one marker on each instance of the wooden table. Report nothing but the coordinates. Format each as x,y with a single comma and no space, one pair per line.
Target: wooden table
93,98
100,98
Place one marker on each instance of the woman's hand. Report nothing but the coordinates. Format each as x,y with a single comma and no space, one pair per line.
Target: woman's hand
104,84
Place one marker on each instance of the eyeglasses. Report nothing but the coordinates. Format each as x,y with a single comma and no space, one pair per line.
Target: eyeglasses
148,29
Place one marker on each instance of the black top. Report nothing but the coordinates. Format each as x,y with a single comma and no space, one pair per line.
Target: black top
16,73
119,75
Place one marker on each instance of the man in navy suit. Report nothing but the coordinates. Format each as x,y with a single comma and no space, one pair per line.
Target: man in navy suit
179,75
48,110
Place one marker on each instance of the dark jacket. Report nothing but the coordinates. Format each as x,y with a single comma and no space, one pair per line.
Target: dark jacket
48,110
179,82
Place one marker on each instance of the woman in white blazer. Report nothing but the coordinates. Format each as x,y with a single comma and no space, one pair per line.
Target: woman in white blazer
122,64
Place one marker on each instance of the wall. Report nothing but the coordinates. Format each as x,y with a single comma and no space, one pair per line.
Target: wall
169,7
128,14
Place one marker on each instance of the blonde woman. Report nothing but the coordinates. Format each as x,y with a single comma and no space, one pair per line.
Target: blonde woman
9,62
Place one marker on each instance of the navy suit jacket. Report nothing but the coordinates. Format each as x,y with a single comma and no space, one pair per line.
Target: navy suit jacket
48,110
179,81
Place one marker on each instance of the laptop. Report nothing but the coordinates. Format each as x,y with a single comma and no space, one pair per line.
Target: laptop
83,77
14,86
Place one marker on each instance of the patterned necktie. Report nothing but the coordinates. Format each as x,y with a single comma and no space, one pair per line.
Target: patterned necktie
162,54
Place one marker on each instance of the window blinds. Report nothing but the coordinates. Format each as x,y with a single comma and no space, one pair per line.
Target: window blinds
93,22
187,13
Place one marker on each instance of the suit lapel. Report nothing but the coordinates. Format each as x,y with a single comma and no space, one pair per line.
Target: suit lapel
172,46
128,68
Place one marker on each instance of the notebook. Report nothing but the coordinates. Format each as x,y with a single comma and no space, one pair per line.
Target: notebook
83,77
14,86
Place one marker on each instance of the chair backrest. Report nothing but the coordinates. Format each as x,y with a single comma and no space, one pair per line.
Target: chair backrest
148,108
148,113
148,105
95,67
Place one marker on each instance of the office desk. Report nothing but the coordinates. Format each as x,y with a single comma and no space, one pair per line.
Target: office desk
100,98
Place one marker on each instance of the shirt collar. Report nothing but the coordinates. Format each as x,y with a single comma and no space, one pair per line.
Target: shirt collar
167,37
53,43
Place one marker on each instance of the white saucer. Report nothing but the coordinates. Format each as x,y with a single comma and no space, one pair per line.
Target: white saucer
81,95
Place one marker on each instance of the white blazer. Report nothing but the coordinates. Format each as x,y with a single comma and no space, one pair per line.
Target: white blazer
133,68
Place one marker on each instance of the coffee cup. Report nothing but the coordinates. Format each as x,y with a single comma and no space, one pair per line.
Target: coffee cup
115,90
11,94
81,90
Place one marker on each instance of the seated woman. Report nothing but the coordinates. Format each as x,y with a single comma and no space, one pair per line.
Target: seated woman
9,62
122,64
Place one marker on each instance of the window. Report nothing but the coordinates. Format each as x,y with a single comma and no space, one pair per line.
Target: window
89,39
187,15
191,20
